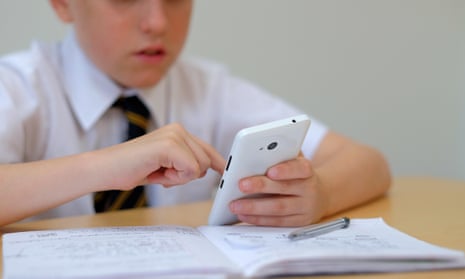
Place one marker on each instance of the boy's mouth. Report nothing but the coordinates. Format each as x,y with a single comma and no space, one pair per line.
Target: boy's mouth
152,52
152,55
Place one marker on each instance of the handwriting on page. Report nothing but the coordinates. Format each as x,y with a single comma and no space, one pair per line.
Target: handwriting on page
109,250
115,242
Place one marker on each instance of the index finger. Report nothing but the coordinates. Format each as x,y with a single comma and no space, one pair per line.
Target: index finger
217,161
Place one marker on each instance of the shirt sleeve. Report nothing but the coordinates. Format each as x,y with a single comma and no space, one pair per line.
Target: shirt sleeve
23,124
11,130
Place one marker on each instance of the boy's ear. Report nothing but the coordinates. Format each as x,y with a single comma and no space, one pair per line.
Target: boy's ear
62,9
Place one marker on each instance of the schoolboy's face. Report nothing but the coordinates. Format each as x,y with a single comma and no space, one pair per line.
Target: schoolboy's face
133,41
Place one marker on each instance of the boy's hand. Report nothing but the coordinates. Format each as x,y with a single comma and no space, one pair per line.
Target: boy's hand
168,156
295,196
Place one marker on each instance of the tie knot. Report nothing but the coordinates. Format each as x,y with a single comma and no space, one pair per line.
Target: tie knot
137,114
133,104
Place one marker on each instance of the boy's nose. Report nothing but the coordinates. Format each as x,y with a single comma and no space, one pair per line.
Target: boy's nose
153,17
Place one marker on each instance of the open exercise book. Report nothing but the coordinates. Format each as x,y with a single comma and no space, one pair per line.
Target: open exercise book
367,245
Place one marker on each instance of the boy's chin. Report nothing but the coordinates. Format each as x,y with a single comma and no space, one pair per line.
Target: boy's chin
139,83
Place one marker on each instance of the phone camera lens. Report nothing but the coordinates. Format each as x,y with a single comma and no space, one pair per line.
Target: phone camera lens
272,145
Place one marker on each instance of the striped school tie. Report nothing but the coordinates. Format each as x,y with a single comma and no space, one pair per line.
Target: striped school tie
138,116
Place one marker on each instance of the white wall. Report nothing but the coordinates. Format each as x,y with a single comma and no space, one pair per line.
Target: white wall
390,73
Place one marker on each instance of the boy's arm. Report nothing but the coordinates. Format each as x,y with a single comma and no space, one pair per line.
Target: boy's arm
351,173
167,156
342,174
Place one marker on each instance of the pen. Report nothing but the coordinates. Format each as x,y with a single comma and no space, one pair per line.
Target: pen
319,229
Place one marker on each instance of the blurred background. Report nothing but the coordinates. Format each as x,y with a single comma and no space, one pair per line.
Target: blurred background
389,73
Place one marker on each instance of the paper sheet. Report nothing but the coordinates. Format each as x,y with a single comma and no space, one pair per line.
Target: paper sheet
110,253
365,244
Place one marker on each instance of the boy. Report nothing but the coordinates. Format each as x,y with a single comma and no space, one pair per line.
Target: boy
61,141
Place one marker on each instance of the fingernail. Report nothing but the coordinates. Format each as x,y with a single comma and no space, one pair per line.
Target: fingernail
272,173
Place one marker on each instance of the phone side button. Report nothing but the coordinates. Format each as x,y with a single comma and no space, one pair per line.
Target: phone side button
221,183
229,162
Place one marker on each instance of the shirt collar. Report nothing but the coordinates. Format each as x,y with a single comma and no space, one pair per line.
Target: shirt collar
90,91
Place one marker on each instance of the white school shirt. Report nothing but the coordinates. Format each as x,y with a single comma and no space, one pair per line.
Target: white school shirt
55,102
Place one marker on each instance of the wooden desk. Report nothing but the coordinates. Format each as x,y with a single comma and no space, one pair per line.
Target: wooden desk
427,208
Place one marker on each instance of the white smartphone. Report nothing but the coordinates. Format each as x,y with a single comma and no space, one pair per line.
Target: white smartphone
254,150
